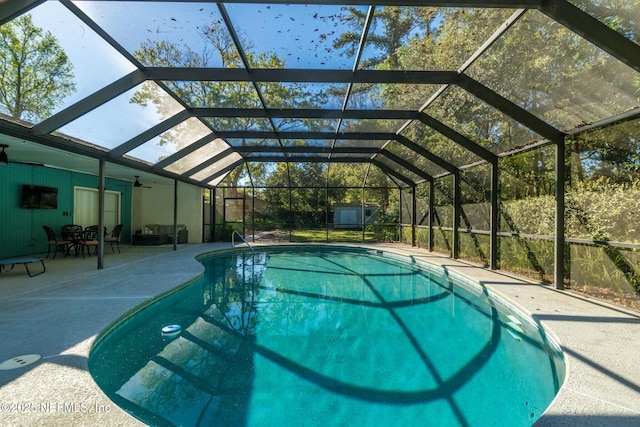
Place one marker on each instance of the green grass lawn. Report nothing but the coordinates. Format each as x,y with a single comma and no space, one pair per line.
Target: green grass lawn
333,236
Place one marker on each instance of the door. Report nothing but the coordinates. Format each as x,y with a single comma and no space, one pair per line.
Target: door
348,218
233,214
85,207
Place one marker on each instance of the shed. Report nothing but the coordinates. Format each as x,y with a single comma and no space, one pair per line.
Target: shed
350,215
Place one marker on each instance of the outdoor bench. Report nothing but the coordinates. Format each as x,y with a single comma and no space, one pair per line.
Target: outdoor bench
24,261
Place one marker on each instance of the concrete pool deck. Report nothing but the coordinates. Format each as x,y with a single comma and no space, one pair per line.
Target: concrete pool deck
57,315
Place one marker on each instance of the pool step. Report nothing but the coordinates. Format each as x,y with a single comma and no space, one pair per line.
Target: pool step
514,327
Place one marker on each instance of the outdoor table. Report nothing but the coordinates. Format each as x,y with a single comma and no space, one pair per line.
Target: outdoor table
73,234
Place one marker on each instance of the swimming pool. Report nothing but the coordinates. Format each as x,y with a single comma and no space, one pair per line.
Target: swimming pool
309,336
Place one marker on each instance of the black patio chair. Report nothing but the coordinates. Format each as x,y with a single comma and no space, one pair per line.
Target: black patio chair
89,240
54,242
114,237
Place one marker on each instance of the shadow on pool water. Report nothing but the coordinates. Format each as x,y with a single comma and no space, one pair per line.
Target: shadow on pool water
286,337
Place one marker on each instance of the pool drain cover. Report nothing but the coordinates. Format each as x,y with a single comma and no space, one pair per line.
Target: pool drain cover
19,361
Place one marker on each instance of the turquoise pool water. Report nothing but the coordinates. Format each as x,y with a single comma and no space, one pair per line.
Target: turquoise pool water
326,337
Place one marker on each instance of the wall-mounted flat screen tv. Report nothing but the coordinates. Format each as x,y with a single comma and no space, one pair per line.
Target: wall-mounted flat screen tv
38,197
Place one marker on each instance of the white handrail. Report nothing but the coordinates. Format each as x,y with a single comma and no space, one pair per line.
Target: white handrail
233,240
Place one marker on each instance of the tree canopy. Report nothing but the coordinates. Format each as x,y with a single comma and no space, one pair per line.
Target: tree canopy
432,39
35,72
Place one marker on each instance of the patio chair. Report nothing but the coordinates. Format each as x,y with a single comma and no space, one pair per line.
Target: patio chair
114,237
53,241
89,240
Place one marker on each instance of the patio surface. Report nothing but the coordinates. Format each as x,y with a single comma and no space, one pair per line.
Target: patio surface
57,315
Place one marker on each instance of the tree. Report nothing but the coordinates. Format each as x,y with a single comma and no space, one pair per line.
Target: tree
221,94
195,93
392,27
611,153
621,16
35,72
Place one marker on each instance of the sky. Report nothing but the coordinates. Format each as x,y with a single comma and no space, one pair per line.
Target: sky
302,35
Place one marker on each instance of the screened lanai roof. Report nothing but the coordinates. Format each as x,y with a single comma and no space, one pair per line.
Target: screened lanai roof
419,89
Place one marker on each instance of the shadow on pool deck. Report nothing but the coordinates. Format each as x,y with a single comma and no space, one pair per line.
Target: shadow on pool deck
58,315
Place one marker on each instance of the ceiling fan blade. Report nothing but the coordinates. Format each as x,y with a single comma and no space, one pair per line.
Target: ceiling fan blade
138,184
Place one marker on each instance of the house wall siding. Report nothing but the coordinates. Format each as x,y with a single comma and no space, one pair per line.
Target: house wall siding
21,232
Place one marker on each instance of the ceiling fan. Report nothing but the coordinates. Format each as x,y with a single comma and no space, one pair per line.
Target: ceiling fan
138,184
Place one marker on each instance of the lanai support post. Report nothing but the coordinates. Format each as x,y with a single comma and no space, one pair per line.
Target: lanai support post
214,217
414,211
326,204
101,179
430,243
175,214
364,183
244,209
291,217
400,219
455,248
494,222
362,213
560,210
